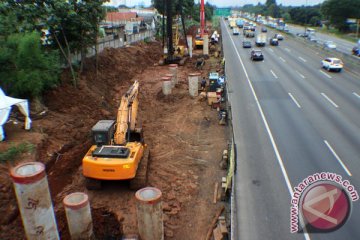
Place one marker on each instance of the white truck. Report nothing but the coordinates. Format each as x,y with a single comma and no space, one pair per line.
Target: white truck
260,40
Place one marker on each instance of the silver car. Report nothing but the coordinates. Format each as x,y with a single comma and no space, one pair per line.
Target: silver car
329,45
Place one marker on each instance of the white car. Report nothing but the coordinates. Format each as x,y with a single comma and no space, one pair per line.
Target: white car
332,64
236,31
330,45
279,36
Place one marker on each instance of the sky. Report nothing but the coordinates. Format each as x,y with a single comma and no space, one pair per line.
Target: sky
223,3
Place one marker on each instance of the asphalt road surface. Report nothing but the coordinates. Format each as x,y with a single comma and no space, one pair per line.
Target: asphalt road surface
342,45
291,119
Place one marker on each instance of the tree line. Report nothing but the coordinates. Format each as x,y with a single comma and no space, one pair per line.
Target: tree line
332,12
37,36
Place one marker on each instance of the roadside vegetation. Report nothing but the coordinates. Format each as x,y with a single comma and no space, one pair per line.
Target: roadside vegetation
332,15
15,151
37,38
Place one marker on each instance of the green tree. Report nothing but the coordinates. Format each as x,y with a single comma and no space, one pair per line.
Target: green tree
273,10
73,24
306,15
8,21
25,68
286,16
268,3
338,11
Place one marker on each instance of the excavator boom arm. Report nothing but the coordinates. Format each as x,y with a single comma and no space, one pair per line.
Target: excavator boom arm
127,114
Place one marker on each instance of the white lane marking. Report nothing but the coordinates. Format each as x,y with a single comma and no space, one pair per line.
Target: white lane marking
325,74
282,59
302,76
272,72
338,158
288,50
331,101
272,140
296,102
304,60
357,95
271,50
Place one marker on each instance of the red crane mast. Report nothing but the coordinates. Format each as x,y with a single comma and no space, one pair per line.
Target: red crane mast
202,18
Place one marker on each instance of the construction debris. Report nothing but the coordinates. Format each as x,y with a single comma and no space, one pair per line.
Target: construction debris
213,223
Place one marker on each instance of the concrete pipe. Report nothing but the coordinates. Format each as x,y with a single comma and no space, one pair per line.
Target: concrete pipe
150,214
206,45
33,197
173,68
78,216
166,85
172,77
189,39
194,84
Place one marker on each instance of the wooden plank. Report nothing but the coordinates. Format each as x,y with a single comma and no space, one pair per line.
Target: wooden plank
216,192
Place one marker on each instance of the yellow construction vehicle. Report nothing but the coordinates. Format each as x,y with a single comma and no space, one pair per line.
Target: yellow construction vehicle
120,152
199,41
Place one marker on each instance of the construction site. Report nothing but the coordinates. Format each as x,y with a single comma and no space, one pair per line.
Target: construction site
177,106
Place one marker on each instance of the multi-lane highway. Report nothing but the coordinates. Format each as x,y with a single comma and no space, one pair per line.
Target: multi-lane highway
342,45
291,119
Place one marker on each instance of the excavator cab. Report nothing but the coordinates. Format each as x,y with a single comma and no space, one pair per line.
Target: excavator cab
103,131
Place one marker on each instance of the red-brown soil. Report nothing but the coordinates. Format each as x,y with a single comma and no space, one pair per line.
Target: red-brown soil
185,140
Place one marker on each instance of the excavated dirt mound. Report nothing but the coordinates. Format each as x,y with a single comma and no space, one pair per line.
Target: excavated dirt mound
183,134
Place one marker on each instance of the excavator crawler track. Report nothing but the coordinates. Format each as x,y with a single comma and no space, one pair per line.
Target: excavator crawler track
140,180
92,184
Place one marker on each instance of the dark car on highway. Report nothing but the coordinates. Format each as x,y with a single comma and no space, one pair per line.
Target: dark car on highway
356,51
263,29
257,55
246,44
274,42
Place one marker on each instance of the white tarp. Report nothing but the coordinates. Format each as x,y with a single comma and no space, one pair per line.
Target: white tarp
5,108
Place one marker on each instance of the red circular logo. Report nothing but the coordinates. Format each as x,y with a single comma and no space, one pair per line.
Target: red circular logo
325,207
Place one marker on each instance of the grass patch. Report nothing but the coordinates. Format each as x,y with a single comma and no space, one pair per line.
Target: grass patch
15,150
332,31
216,22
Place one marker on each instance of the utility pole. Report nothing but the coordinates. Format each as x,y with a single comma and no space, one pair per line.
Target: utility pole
163,23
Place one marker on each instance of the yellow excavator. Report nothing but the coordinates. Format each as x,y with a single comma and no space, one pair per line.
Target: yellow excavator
119,152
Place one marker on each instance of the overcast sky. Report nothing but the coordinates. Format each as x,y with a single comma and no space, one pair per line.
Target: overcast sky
223,3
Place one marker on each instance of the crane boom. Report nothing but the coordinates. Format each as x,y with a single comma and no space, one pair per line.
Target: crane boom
127,114
202,18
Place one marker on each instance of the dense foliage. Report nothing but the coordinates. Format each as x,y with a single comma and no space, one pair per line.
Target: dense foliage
29,65
333,12
306,15
337,12
25,69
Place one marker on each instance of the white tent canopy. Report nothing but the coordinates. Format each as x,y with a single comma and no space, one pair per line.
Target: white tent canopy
5,107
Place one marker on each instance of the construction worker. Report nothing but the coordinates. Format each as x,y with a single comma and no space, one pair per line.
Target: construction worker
203,83
199,63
